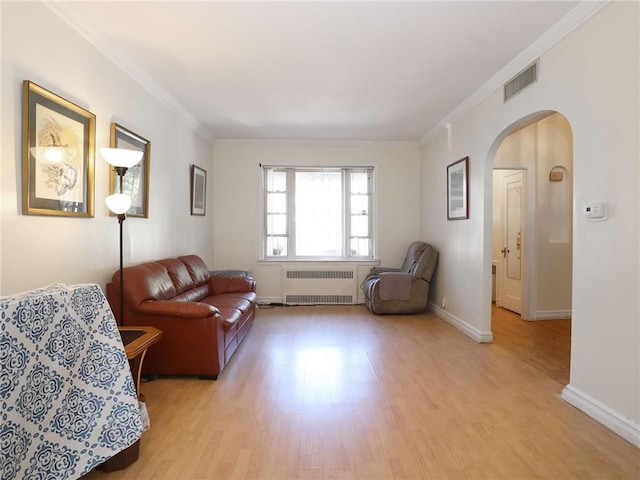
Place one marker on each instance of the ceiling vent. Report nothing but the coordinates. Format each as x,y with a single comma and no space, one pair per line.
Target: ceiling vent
522,80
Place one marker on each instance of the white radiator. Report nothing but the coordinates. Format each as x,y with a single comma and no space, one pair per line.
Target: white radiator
319,286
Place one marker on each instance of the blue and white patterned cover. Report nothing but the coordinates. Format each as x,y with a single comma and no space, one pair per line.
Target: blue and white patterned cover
67,395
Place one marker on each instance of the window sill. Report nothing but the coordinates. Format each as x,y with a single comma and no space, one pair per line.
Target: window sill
324,261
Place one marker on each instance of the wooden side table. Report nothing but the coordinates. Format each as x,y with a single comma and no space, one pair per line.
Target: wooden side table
136,341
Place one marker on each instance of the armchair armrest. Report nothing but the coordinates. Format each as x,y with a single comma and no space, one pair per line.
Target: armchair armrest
374,274
379,270
395,285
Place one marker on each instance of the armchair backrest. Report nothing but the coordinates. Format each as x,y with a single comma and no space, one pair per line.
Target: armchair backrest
426,264
414,252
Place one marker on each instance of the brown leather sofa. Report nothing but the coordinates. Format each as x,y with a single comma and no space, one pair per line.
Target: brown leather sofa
203,317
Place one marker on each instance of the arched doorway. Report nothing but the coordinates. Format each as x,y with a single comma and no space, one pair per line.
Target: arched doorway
532,241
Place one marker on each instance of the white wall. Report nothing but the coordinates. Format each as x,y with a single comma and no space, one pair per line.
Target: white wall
236,184
38,250
554,219
592,78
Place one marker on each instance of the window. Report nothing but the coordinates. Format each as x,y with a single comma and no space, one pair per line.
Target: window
318,213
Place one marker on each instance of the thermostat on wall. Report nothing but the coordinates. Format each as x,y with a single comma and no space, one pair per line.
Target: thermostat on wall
595,211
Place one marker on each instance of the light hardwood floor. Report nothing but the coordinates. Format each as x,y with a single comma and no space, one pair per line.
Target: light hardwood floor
545,345
337,392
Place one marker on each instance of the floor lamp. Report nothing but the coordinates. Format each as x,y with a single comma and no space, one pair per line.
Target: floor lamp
121,160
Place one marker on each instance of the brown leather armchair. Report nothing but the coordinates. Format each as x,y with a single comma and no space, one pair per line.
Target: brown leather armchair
405,289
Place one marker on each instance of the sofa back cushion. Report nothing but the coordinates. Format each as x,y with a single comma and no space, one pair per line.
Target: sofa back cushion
196,294
147,281
178,273
196,268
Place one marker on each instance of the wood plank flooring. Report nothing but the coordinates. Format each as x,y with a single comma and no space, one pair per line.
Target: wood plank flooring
543,344
339,393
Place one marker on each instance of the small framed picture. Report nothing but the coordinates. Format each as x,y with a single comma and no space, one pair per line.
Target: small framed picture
198,190
136,180
458,190
58,155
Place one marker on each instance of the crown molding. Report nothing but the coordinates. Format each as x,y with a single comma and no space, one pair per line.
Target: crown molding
302,142
80,24
572,20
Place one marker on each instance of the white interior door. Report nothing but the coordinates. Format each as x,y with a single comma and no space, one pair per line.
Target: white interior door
513,196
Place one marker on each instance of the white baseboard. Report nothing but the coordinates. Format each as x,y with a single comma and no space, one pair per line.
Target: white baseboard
269,300
464,327
551,315
611,419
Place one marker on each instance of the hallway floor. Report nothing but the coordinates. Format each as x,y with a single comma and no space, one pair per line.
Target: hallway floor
543,344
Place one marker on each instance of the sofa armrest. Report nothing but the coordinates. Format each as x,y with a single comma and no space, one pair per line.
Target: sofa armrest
193,337
169,308
231,283
229,273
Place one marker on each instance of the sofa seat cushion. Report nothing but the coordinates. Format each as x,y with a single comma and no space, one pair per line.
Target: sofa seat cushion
230,300
250,297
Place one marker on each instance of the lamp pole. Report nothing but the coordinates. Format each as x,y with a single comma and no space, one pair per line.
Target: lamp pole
121,171
121,218
120,159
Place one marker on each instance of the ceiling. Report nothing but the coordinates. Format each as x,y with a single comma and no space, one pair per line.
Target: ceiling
343,70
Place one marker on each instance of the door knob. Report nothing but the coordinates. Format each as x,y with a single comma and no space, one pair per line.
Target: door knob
504,252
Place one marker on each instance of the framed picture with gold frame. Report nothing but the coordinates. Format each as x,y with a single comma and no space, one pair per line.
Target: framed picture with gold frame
136,180
58,155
